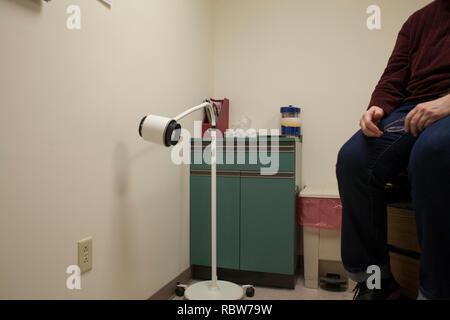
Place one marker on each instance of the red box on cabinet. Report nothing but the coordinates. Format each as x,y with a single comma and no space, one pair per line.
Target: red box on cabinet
222,121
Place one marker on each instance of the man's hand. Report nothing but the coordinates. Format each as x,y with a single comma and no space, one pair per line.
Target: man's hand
369,122
425,114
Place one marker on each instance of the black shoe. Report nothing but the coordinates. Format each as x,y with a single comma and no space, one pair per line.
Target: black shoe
390,290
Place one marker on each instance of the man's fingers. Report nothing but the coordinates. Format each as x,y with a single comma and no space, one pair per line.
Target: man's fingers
373,129
412,115
421,122
363,127
369,128
370,125
414,123
377,115
369,122
408,118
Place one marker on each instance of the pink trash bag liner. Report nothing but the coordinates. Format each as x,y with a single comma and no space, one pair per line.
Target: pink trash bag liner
322,213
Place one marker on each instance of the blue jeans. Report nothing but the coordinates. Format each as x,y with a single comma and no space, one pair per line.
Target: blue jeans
363,168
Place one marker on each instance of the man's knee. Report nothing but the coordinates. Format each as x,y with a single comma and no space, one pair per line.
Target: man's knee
430,154
350,161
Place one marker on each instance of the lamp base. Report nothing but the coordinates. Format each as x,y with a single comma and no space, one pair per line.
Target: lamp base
205,291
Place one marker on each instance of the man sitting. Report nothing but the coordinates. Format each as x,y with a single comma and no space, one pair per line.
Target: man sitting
407,125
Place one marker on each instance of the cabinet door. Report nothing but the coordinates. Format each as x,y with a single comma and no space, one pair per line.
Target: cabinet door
267,224
228,212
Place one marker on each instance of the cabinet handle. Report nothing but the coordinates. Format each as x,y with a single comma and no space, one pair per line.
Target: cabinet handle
207,173
257,174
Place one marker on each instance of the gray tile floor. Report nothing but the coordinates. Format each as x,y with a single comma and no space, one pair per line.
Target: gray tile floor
299,293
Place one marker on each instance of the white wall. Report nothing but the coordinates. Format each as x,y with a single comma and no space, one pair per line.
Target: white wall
315,54
71,161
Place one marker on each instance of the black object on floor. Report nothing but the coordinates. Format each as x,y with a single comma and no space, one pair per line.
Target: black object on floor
333,282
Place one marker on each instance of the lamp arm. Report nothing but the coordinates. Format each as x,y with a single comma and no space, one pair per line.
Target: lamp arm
207,105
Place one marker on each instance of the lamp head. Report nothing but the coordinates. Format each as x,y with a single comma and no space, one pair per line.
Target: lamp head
160,130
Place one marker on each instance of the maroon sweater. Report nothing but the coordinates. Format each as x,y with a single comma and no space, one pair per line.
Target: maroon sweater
419,67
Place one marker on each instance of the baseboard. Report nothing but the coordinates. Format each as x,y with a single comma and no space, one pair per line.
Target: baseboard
166,292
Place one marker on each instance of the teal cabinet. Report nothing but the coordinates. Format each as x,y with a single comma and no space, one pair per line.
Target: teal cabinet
256,225
267,224
228,209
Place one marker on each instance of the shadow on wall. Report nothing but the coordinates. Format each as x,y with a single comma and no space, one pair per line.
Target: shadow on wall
124,260
32,5
123,230
124,273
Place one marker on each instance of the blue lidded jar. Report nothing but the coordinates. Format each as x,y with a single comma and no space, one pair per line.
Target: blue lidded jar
290,121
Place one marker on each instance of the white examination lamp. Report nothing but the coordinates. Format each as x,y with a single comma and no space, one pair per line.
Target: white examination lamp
166,131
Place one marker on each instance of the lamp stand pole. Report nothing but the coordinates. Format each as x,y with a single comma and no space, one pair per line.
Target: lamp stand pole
214,208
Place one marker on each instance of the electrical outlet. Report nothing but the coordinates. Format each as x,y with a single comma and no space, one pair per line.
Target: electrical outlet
85,254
